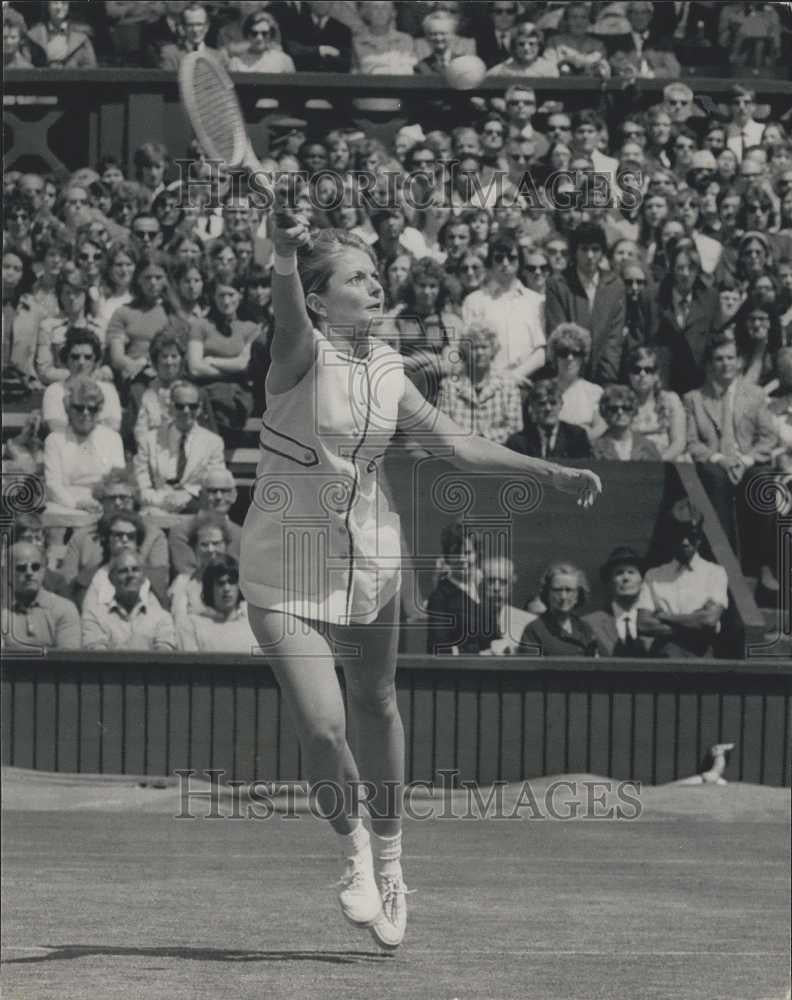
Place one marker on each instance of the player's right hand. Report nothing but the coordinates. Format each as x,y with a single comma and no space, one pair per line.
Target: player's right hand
290,230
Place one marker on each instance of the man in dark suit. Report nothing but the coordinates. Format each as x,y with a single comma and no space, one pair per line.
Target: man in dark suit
592,298
494,30
543,434
689,314
315,41
440,30
654,51
616,625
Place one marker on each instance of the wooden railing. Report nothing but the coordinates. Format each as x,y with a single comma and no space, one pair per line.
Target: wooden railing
487,719
69,118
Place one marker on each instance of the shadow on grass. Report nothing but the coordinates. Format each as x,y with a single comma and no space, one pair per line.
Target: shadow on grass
64,952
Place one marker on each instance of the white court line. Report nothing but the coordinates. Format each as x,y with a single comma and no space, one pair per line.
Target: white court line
488,952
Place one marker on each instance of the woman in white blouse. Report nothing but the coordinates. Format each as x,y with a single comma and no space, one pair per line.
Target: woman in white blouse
75,459
227,629
262,52
81,353
568,350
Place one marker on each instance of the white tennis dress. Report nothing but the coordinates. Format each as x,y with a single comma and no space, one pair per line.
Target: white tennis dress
319,540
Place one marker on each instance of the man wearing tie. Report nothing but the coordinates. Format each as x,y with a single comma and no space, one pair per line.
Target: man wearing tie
494,34
193,28
742,132
544,435
173,461
616,626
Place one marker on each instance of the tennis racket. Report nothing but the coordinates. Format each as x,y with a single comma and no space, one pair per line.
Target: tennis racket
216,116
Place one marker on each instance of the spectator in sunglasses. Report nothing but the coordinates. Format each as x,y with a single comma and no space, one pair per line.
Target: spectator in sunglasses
535,271
76,459
262,51
620,443
568,348
71,289
659,414
593,298
528,55
173,460
89,547
35,618
641,315
81,354
513,311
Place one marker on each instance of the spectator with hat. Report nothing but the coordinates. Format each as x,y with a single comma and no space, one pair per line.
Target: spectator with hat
616,625
684,599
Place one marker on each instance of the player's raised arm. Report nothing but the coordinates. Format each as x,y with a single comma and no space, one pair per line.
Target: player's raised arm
420,421
292,341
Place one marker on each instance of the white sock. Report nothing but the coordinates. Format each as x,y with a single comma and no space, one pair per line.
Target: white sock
354,843
387,853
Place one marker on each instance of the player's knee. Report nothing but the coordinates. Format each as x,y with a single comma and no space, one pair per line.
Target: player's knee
325,738
378,702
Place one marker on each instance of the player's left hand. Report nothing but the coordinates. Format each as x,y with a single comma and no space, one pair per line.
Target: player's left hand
586,484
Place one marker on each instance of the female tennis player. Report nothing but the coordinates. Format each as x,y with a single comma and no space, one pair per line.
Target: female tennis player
320,555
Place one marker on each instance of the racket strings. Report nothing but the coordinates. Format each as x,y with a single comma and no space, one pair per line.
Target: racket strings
218,111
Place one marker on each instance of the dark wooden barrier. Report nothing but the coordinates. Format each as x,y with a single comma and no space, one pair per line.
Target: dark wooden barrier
505,719
69,118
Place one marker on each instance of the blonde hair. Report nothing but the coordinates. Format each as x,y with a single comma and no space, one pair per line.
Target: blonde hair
569,335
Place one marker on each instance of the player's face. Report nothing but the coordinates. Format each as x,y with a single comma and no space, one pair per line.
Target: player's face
354,295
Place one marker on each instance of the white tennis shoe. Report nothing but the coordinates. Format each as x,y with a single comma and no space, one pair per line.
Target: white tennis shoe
359,896
388,930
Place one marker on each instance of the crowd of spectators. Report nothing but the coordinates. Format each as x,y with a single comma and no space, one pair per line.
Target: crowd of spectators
613,282
673,610
626,39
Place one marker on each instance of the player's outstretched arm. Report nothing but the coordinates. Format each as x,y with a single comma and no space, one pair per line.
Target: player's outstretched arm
429,427
292,345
